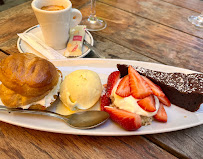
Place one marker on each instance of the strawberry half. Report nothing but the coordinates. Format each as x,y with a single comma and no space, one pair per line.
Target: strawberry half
155,88
161,114
123,88
147,103
104,101
111,82
138,86
164,100
127,120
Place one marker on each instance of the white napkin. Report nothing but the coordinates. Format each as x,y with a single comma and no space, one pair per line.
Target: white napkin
41,47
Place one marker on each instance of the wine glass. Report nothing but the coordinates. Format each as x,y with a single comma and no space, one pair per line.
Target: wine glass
93,23
196,20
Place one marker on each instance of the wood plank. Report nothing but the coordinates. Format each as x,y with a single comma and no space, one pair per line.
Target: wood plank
191,142
80,3
18,21
18,142
149,38
112,50
160,12
11,3
196,5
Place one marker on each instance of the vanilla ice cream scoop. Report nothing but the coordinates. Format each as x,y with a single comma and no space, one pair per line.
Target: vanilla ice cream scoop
81,89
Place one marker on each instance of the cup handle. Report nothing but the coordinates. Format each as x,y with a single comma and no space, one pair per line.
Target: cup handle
76,17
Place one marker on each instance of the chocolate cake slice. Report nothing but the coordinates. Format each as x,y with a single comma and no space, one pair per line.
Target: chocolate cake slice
183,90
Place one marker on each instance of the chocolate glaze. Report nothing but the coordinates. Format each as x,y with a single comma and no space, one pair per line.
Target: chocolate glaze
183,90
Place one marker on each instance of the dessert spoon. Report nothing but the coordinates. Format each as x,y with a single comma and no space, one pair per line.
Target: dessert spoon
4,52
80,120
94,49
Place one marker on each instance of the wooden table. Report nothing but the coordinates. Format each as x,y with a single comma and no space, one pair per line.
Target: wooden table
146,30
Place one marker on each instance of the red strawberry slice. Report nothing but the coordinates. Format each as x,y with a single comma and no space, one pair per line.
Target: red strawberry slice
161,114
127,120
123,88
105,86
147,103
111,82
138,86
104,101
155,88
164,100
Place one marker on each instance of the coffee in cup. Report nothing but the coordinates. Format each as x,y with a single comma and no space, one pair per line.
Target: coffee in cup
56,24
52,8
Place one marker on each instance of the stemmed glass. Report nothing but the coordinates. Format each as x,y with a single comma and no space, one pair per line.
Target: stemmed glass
196,20
93,23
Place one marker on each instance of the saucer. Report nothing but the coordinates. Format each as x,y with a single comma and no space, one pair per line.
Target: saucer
36,30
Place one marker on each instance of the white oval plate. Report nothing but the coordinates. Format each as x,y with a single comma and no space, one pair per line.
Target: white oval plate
36,30
177,118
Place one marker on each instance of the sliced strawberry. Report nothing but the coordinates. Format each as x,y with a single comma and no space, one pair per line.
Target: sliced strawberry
123,88
138,86
161,114
147,103
112,80
155,88
127,120
164,100
105,86
104,101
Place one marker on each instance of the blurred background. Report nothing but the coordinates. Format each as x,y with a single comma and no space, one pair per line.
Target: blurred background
6,4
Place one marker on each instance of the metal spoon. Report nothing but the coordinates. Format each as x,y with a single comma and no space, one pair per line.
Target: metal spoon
94,49
80,120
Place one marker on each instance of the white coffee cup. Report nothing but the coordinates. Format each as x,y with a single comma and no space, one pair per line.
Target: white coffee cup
56,25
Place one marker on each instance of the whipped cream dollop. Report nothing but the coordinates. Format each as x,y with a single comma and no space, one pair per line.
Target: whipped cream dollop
49,98
130,103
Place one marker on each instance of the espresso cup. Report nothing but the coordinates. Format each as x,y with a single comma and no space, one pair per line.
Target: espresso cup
56,24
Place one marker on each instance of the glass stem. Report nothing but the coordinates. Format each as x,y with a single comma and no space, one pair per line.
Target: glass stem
93,10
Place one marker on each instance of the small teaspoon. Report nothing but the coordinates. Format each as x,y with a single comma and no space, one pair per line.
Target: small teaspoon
94,49
80,120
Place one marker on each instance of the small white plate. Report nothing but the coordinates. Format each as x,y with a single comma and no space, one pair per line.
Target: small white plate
178,118
36,30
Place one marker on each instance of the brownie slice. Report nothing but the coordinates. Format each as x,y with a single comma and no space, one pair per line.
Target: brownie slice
183,90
